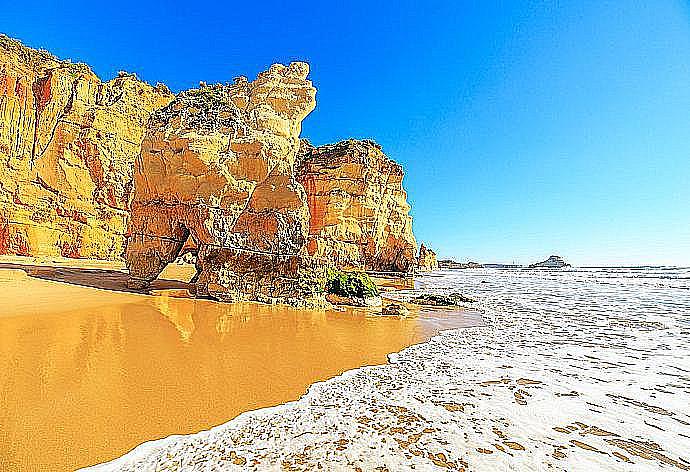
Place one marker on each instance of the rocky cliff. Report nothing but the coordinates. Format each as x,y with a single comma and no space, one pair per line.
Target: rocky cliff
67,143
359,211
217,166
91,167
426,261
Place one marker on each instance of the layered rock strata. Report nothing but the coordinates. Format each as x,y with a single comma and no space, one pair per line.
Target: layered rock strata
426,261
359,211
67,144
217,166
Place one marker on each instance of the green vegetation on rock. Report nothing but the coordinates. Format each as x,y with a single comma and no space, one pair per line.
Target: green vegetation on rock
350,284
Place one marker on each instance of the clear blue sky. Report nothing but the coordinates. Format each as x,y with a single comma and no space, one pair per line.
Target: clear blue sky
526,128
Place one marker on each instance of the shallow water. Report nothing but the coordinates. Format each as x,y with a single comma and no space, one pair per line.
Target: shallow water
88,374
576,370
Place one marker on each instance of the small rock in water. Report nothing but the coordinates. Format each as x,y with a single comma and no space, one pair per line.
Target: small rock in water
395,309
454,299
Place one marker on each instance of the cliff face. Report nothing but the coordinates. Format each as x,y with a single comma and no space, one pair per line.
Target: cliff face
359,211
217,165
426,261
91,167
67,143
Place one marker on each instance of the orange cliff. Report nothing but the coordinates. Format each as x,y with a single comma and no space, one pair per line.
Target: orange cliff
68,143
217,166
93,167
360,216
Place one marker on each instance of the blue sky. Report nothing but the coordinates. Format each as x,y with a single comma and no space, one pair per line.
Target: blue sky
525,128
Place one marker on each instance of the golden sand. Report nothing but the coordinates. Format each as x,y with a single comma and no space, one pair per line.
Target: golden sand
89,372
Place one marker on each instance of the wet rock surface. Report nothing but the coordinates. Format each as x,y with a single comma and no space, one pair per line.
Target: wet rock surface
433,299
395,309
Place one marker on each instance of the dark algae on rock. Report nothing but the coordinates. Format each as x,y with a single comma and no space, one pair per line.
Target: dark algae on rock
454,299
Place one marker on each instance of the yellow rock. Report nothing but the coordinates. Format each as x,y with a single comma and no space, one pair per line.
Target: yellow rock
217,166
426,261
359,211
68,142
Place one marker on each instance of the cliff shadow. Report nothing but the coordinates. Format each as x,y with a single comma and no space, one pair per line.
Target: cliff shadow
104,279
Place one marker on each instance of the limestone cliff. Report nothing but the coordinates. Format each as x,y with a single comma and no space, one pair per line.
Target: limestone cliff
90,167
217,165
426,261
67,144
359,211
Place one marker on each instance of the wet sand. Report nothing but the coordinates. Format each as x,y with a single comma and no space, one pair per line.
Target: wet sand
91,371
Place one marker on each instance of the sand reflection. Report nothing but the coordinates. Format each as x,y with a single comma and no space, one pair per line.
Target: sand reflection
88,374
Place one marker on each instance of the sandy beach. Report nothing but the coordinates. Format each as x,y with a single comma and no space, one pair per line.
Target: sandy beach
576,371
91,371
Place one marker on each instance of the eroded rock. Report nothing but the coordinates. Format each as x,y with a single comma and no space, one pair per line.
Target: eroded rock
454,299
68,143
426,261
217,164
359,211
395,309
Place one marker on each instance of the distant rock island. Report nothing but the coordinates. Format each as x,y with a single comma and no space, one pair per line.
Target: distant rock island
553,262
451,264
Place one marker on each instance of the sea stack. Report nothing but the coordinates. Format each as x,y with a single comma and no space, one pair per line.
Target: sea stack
217,166
426,261
360,217
553,262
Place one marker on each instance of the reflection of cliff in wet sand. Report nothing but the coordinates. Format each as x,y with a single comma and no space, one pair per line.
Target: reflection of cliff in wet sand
103,371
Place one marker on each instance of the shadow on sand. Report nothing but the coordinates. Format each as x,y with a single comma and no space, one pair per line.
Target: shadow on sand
104,279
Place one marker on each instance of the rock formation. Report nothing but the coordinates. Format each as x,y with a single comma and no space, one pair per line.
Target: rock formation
359,211
426,261
67,143
217,173
217,166
553,262
451,264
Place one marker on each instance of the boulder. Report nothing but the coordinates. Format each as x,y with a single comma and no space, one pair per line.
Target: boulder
351,288
454,299
395,309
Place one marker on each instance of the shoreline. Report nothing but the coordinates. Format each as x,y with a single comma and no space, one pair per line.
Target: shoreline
539,387
92,375
152,445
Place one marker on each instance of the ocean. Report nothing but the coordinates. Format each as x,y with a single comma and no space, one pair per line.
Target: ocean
575,370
